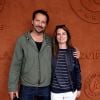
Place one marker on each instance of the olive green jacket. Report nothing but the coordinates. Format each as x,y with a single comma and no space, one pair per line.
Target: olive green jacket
29,66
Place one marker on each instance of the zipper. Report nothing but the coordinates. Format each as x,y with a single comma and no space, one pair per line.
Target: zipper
39,77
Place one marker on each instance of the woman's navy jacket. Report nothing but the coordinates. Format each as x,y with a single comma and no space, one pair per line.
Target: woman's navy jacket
73,68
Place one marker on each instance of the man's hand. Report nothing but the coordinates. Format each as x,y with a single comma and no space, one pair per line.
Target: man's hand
13,94
76,53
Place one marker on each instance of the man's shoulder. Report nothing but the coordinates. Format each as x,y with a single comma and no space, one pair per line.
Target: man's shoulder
23,37
48,39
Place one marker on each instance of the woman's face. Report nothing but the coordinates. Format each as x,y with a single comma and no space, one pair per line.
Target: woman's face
61,36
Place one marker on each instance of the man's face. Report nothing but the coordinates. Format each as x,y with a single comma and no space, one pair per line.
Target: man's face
39,23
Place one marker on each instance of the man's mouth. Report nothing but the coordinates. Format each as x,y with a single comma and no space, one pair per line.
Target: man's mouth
39,27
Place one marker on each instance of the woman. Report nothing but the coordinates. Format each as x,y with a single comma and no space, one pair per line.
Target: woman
66,78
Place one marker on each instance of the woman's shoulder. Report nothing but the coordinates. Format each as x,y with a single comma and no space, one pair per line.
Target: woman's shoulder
72,49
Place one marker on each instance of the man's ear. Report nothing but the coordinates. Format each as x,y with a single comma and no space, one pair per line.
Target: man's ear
32,22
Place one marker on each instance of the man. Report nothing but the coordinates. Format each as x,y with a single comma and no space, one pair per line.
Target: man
31,64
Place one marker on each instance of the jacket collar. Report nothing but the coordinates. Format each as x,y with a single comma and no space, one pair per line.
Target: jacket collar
32,42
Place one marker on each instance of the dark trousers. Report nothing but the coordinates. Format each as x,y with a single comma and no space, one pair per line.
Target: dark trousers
29,93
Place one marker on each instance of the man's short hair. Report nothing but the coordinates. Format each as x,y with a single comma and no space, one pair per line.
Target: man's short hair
41,12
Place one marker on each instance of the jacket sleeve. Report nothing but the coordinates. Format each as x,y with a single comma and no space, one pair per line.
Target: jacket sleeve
14,73
77,74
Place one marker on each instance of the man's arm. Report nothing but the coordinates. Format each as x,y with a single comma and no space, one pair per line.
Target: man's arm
14,73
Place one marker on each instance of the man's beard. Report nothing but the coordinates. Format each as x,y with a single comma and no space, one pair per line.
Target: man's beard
39,29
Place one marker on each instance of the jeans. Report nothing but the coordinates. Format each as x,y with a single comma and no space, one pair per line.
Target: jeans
29,93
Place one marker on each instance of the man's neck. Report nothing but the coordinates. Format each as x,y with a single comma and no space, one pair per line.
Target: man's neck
38,37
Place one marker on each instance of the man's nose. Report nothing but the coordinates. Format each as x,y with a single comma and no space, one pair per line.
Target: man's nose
40,24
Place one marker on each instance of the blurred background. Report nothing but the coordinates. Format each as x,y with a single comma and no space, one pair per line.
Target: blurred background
82,17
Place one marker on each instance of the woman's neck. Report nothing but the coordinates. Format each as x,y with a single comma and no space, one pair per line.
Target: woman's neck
62,46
